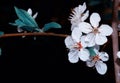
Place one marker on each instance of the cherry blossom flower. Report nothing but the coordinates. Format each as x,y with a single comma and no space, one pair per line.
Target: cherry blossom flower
95,34
78,15
97,62
76,49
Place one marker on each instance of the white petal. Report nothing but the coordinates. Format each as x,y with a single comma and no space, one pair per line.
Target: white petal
76,34
83,42
97,47
30,11
77,12
90,63
105,30
118,54
73,56
101,67
73,26
96,50
85,27
35,15
90,38
85,16
100,39
84,54
69,42
103,56
75,16
19,29
82,8
95,19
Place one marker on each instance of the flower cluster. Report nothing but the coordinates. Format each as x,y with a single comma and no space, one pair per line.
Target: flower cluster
86,38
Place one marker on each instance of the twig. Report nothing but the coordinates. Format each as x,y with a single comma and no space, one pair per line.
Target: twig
32,34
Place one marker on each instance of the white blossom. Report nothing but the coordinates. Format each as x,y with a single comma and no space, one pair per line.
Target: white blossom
95,34
78,15
76,49
97,61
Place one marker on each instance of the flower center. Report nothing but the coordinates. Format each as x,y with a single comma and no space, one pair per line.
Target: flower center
96,58
78,46
82,15
95,30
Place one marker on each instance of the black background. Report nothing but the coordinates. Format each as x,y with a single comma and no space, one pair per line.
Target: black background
46,57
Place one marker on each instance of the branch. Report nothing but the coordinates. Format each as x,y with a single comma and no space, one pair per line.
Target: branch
115,39
32,34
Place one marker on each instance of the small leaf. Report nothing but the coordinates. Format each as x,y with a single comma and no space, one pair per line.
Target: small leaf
25,27
18,23
51,25
14,24
25,17
25,21
0,51
1,33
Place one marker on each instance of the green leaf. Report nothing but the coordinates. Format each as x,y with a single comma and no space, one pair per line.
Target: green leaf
25,17
51,25
0,51
18,23
1,33
25,27
25,21
91,51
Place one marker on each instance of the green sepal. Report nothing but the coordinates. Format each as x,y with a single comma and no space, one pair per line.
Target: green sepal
91,51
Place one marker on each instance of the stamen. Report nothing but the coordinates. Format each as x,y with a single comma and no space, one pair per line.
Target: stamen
96,58
82,15
78,46
95,30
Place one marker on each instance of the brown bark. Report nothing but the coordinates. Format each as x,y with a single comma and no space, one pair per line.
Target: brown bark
115,42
